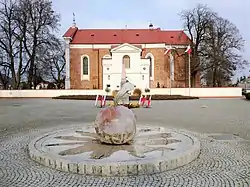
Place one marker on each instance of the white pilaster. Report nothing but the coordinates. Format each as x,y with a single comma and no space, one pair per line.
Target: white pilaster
67,65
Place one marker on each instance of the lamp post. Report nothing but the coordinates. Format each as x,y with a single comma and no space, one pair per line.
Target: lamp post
189,73
171,56
189,51
171,65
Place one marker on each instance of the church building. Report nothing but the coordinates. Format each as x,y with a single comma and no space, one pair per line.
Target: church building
95,58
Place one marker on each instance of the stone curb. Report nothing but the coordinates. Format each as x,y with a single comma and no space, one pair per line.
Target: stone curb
139,167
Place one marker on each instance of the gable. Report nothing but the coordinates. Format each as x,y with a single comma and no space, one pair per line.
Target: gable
126,48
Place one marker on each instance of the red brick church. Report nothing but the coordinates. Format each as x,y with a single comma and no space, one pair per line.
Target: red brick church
94,58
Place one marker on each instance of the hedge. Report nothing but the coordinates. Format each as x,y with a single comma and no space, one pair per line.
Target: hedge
132,98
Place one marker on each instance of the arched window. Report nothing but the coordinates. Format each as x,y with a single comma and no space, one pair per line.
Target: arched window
151,65
85,67
126,61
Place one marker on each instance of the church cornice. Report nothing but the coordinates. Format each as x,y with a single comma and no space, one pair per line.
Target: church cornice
109,46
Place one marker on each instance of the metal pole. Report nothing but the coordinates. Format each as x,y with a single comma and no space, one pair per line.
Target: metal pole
170,72
189,73
170,82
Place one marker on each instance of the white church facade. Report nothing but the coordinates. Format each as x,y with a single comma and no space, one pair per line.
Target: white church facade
126,56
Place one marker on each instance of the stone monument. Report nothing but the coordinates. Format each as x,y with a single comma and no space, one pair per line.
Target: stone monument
122,96
116,146
117,124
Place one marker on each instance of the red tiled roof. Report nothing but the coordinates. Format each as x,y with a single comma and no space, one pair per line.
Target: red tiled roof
71,32
132,36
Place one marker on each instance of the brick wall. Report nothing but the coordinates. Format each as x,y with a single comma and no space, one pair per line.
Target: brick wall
161,68
95,57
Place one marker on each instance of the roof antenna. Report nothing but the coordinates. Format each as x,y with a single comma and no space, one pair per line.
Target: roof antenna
74,20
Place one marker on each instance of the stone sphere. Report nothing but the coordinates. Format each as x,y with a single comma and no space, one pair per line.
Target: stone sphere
115,125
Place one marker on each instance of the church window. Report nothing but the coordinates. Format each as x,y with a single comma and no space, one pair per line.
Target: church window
151,65
85,68
126,61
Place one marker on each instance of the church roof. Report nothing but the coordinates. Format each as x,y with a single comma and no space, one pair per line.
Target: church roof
132,36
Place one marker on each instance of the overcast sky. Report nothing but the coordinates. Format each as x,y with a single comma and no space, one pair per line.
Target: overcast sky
139,13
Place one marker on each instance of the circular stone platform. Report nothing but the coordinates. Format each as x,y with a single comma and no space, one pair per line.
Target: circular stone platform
155,149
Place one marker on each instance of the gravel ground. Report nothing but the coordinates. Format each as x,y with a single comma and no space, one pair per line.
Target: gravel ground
221,163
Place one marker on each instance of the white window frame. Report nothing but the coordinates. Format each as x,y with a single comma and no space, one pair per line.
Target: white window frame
85,77
125,63
153,65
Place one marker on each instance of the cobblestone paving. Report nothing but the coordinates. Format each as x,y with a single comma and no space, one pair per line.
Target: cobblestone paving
221,163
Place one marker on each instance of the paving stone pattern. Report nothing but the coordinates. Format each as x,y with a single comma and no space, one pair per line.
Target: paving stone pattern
221,162
159,158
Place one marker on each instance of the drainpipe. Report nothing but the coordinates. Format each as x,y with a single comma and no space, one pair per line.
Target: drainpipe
98,69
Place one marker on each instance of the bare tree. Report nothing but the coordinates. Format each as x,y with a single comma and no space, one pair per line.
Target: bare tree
53,61
221,49
196,22
11,42
37,20
4,77
216,45
57,65
27,27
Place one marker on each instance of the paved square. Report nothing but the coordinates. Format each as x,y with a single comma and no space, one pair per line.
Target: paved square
224,159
